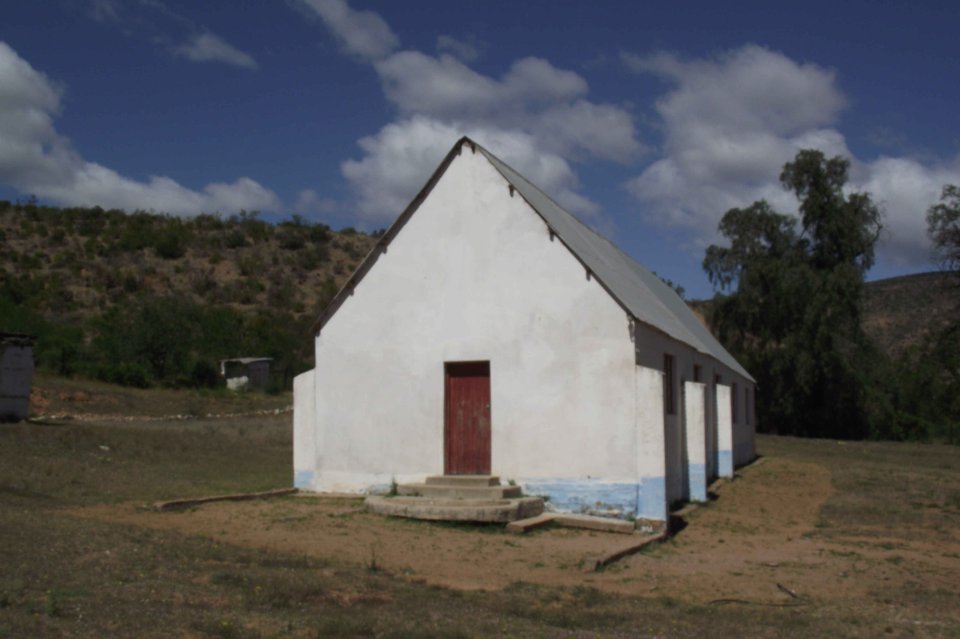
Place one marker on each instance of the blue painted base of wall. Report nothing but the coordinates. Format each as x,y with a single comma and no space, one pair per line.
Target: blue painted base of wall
627,500
653,499
697,474
725,463
302,478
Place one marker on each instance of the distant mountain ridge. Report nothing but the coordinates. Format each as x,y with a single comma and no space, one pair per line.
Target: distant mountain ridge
898,312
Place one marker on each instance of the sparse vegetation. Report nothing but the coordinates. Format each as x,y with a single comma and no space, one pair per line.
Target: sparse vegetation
143,299
79,561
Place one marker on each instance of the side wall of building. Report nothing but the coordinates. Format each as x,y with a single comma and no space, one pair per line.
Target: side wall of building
688,365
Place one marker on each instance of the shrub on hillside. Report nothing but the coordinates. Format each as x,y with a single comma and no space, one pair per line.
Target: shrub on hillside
171,244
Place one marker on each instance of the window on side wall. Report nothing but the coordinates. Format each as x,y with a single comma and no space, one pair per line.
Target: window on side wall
669,392
747,406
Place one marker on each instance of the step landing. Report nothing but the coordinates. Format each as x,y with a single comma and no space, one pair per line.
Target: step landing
456,491
469,510
476,498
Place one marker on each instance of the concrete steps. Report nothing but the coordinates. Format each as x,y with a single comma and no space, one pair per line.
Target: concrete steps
458,491
477,498
460,487
473,510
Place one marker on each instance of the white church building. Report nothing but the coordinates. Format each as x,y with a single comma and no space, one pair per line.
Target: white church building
491,332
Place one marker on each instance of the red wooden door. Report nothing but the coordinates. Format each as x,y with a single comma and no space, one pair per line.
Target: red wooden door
466,430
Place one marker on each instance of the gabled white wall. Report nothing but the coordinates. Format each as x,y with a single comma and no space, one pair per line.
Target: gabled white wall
576,408
474,275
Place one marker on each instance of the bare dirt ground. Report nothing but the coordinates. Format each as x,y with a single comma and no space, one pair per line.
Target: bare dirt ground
760,533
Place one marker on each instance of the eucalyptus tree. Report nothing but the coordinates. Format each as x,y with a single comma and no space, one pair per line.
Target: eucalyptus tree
789,299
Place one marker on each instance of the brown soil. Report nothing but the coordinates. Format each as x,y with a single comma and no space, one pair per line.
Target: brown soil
760,533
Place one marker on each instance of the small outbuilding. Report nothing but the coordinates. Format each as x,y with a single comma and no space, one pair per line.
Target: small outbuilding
243,372
491,332
16,375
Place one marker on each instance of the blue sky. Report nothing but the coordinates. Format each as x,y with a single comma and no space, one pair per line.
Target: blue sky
648,122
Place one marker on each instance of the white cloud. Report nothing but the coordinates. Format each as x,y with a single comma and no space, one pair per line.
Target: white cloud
439,86
309,202
154,22
730,124
601,130
444,87
905,188
35,159
104,10
468,51
400,158
207,47
361,33
535,116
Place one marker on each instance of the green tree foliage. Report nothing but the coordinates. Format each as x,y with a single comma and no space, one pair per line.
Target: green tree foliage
930,392
789,303
177,342
943,226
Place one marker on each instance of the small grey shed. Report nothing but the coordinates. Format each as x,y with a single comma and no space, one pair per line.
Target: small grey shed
16,375
240,372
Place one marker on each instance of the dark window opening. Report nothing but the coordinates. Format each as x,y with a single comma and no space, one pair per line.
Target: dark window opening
669,392
733,401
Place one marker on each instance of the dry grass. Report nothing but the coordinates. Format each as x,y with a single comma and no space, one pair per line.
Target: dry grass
53,395
82,577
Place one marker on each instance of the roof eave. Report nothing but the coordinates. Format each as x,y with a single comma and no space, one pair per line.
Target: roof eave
381,246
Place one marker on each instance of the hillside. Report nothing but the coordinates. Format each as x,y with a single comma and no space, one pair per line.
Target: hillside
75,262
901,312
146,298
209,287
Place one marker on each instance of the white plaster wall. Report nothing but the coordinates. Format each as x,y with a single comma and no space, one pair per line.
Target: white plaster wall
725,431
474,275
304,429
694,419
651,444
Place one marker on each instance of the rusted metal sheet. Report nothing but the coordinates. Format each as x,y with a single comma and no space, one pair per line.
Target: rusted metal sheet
467,419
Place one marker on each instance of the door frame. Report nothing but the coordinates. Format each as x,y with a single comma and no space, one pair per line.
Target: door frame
482,367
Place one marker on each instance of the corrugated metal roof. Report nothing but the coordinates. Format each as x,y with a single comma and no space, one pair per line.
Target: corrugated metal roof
640,292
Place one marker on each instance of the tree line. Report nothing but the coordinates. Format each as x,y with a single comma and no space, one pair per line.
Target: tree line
789,303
